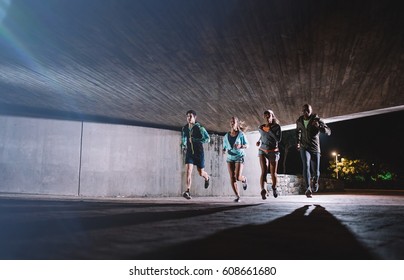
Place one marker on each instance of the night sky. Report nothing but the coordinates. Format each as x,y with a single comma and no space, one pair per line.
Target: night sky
376,139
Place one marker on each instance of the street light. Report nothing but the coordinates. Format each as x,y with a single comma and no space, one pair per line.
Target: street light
336,162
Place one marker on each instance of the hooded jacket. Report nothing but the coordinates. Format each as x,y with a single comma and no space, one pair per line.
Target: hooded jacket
269,140
309,137
199,136
233,153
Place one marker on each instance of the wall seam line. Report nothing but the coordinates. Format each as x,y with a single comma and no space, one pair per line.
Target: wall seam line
80,159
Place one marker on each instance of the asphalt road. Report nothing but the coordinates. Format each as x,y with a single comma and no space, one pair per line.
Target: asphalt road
346,226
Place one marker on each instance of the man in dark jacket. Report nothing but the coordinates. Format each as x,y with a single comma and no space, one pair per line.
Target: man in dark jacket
308,128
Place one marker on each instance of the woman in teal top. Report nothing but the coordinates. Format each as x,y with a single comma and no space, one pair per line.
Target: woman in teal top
234,144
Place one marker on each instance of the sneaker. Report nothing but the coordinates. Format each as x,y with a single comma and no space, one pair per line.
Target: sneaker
238,199
264,194
244,183
308,193
314,184
275,192
207,183
187,195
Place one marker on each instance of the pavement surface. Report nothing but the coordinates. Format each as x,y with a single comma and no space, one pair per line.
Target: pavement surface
345,226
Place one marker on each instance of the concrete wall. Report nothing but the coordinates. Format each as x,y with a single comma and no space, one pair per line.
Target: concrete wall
120,160
216,166
40,156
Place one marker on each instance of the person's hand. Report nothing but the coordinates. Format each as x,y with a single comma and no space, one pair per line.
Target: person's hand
237,146
298,147
316,123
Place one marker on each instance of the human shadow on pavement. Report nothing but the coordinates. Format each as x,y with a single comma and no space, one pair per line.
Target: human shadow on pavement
80,218
301,235
60,230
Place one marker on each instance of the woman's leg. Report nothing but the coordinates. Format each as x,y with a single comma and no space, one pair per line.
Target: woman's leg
274,172
263,178
239,171
231,166
264,171
239,174
274,176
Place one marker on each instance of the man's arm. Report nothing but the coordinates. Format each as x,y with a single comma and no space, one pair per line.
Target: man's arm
298,135
205,136
183,139
324,128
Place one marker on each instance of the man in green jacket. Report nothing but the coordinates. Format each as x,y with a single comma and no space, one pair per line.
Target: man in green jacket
194,135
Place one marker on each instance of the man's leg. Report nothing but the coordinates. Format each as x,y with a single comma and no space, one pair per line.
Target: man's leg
189,167
200,163
315,168
305,156
203,173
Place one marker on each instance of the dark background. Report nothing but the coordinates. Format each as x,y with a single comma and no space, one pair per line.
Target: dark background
377,139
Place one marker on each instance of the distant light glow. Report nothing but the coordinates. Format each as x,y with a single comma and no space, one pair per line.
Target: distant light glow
388,176
29,72
7,36
4,4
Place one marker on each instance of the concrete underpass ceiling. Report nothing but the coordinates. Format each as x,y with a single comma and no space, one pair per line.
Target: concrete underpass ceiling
146,62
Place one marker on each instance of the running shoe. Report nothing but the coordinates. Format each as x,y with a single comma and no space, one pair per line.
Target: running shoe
308,193
314,184
244,183
238,199
264,194
187,195
275,192
207,183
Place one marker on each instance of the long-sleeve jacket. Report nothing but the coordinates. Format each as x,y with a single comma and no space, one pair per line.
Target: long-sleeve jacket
233,153
269,140
199,136
309,137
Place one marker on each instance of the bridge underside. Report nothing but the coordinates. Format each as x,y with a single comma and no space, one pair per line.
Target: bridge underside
147,62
